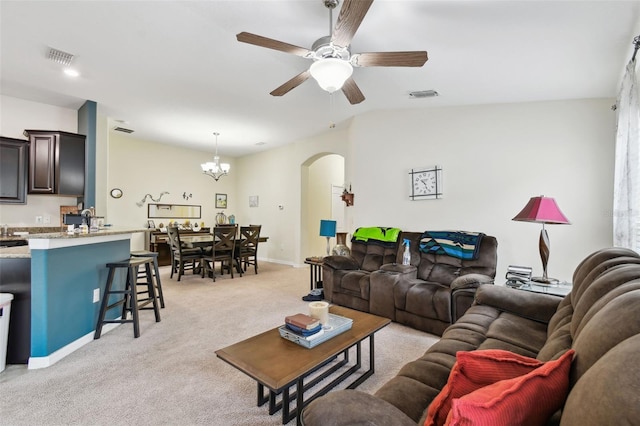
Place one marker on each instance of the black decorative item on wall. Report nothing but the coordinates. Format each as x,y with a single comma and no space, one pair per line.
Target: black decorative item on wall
186,196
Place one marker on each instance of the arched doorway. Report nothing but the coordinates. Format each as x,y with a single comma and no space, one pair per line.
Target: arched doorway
320,174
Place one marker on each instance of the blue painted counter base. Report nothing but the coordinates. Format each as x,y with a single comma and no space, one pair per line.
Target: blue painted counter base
62,285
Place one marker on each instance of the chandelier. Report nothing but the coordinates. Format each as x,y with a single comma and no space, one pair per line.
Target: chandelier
214,168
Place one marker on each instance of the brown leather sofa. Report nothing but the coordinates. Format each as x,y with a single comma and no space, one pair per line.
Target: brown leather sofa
599,320
429,294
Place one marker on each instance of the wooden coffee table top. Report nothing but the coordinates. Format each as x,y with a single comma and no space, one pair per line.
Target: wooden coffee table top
276,362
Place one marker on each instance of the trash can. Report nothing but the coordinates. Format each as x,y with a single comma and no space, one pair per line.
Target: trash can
5,314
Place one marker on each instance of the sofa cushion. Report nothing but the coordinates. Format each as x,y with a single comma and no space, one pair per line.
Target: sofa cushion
530,399
607,394
371,255
475,370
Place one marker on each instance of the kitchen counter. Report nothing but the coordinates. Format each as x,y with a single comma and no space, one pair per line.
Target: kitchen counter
19,252
68,276
65,235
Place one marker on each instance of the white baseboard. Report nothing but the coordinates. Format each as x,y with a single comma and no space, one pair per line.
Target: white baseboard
47,361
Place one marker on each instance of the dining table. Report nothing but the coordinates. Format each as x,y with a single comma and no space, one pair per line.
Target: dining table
204,241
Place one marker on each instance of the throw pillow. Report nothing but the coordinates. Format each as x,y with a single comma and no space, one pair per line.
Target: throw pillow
474,370
526,400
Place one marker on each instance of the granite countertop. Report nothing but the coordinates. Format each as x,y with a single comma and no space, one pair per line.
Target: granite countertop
20,252
102,232
25,252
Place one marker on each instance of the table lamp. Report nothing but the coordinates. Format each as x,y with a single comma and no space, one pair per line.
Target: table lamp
327,229
543,210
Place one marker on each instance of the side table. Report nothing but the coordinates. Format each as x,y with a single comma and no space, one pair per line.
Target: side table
315,271
560,289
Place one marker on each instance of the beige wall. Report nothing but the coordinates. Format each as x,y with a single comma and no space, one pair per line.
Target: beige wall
323,173
140,167
494,158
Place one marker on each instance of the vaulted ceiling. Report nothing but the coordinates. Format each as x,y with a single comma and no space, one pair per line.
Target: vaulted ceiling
174,72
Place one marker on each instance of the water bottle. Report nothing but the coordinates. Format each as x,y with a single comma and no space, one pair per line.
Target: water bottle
406,257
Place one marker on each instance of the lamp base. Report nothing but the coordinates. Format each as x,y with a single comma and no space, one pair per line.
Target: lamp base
545,281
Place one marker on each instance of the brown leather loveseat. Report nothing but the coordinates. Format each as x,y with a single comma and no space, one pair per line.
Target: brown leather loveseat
599,320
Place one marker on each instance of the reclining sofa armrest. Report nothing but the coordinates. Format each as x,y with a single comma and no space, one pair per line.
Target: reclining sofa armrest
463,292
340,262
534,306
352,407
470,281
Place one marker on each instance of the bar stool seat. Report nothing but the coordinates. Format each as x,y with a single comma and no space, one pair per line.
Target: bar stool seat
142,274
130,301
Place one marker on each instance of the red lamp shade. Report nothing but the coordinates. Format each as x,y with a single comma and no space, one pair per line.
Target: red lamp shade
542,210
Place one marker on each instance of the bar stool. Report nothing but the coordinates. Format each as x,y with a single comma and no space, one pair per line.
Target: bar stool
130,301
156,272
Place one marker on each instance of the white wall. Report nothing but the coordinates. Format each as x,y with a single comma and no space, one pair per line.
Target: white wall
17,115
494,158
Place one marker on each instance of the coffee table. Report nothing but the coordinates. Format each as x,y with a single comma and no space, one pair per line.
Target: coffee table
278,364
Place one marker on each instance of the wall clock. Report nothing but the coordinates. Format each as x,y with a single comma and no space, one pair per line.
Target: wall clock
116,192
425,183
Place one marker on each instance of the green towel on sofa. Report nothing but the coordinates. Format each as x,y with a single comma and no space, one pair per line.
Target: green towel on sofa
387,235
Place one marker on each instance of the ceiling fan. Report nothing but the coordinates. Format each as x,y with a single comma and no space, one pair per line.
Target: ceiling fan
333,61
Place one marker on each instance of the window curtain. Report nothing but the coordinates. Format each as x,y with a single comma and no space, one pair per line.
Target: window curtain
626,193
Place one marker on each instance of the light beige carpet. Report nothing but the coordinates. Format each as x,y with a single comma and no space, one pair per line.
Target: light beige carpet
170,375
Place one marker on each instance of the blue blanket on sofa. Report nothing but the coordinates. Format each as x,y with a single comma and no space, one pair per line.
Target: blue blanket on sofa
458,244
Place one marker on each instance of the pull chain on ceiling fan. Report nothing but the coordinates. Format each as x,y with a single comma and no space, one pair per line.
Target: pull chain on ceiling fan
333,62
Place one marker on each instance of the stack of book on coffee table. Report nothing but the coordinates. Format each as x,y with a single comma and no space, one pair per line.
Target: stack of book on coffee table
308,332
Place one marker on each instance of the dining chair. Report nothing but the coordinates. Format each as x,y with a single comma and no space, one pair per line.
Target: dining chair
182,258
247,249
223,250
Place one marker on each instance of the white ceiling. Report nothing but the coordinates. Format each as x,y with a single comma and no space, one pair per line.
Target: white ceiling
174,72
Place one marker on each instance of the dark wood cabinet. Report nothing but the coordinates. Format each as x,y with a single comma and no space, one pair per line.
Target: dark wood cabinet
13,170
57,162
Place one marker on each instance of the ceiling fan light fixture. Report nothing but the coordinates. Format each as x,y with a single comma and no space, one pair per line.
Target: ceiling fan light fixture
331,73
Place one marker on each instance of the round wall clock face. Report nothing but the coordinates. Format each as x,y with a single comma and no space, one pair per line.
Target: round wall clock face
116,193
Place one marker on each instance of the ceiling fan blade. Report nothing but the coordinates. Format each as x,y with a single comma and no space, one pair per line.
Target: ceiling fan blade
390,59
291,84
351,15
352,91
270,43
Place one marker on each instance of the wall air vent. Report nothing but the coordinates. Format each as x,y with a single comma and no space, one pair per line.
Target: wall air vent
423,94
123,130
60,57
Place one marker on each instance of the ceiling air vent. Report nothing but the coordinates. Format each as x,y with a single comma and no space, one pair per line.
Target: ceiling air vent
423,94
60,57
122,129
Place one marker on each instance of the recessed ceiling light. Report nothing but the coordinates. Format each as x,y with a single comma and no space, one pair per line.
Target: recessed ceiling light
71,72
